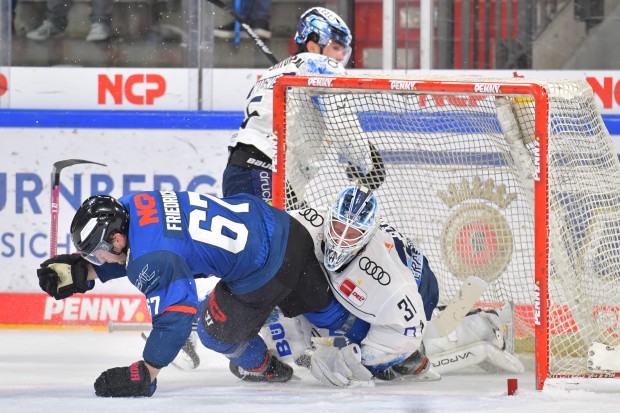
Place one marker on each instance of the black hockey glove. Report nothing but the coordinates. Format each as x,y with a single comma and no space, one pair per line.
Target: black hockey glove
132,381
64,275
375,177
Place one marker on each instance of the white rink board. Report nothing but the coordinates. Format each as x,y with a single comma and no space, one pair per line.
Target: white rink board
136,160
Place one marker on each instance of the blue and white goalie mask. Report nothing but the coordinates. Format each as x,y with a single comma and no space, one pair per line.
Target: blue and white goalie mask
328,26
351,222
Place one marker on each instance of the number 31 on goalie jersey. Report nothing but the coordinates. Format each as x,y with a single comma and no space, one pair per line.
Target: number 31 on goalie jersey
409,312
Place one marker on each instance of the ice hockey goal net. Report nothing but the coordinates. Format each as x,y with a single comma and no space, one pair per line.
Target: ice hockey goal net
515,181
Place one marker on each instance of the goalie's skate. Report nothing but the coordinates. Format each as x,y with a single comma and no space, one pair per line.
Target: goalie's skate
416,367
274,372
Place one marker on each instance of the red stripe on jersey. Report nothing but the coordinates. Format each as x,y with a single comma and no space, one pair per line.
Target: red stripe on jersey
181,309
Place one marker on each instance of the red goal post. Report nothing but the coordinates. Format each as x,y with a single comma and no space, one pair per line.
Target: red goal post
509,141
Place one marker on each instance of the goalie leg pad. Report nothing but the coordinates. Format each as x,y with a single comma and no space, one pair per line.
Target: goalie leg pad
481,353
603,358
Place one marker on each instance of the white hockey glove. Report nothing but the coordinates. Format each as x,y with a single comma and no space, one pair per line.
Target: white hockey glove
339,367
286,338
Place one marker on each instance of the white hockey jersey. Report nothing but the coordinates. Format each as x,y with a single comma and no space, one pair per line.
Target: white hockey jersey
379,288
257,127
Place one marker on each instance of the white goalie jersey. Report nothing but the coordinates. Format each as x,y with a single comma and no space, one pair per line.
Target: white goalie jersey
379,288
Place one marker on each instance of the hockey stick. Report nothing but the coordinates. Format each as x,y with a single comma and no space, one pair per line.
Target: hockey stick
112,327
257,40
375,177
459,306
58,167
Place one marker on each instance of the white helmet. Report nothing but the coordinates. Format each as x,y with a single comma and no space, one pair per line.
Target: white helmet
327,26
351,222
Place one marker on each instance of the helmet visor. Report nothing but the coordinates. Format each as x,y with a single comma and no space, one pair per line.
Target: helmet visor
98,254
337,51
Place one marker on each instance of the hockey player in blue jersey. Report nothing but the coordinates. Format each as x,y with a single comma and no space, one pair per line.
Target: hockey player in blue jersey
162,241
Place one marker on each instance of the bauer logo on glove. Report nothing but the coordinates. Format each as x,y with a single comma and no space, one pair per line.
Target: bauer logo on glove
132,381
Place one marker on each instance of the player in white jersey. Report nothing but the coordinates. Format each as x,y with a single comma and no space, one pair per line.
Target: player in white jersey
381,277
378,276
324,47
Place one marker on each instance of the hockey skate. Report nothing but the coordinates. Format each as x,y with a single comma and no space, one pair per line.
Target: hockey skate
275,371
416,367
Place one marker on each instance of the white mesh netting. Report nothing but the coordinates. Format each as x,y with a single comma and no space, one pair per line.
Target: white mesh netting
459,181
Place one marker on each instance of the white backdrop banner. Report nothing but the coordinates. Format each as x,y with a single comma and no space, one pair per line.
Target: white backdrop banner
136,160
220,89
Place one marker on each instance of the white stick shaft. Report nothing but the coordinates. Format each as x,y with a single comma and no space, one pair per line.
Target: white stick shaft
459,306
112,326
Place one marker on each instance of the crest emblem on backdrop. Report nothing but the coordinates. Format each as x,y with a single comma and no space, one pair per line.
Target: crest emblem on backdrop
477,239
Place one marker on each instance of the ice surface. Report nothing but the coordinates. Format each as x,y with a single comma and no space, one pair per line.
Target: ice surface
52,371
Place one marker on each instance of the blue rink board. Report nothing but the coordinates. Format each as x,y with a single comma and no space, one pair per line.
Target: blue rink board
119,119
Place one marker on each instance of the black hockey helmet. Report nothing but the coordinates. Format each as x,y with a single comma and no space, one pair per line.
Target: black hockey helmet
97,219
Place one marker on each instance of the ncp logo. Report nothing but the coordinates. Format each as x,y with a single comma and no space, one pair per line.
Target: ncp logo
138,89
4,84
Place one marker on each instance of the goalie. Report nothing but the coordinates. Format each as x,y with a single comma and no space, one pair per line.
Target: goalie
390,292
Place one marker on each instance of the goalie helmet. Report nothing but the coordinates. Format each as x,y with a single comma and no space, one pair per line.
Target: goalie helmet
97,219
327,25
351,222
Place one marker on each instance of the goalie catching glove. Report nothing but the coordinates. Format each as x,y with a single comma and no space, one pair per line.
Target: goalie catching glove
64,275
339,367
132,381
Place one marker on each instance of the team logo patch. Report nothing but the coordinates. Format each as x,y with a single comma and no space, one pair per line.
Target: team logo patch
375,271
214,309
353,292
313,217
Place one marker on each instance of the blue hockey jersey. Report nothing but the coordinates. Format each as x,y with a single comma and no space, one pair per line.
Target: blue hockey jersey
175,237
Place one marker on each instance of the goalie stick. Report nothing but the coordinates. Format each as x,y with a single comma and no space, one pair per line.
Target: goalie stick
58,167
257,40
459,306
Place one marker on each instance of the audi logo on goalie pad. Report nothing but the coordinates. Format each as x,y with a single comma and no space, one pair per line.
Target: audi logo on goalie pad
375,271
313,217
